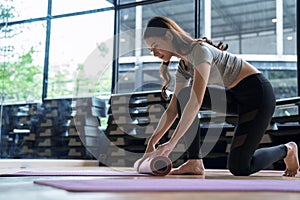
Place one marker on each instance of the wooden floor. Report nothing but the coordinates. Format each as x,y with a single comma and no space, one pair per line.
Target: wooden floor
23,187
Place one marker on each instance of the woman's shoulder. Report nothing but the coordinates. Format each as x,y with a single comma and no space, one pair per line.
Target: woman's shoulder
205,47
201,52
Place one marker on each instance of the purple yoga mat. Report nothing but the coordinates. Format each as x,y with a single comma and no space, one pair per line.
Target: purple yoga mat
175,184
71,173
102,173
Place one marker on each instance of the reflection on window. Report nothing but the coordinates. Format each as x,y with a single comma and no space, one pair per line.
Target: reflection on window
73,41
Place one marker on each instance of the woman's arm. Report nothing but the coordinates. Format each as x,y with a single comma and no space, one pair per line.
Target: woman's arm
163,126
200,79
166,120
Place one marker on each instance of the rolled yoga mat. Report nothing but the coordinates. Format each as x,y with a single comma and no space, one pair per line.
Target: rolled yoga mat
158,166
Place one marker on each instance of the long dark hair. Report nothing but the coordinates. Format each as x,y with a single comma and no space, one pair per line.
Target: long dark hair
182,42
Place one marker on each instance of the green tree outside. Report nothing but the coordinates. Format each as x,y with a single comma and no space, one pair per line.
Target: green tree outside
21,80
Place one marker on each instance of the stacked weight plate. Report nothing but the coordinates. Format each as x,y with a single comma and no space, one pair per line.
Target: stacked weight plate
132,119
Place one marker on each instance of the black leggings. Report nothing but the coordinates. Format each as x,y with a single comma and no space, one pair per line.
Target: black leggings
253,101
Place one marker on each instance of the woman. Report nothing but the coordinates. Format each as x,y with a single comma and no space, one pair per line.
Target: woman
248,94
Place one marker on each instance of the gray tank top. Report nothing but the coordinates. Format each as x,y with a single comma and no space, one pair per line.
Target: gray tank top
225,67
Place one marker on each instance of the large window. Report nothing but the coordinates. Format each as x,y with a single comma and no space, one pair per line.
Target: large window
45,46
60,42
72,47
138,70
22,58
51,52
261,32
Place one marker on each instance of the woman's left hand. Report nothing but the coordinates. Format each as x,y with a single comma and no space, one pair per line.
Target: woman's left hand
163,150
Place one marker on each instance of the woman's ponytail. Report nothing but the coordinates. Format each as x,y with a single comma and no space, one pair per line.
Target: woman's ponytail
220,45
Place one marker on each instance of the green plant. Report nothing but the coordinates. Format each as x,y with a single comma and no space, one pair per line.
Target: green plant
21,80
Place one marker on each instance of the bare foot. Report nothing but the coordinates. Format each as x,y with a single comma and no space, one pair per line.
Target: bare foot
192,167
291,160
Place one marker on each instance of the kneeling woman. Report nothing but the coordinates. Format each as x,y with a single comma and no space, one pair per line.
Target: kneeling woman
248,94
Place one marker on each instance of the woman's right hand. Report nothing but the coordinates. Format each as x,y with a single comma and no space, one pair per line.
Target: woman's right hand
149,149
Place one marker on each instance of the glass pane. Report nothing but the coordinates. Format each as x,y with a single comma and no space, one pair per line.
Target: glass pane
65,6
262,32
138,70
81,48
24,9
128,1
287,78
289,27
243,23
22,61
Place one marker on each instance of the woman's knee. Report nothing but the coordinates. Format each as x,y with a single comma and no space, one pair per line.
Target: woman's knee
238,167
238,171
